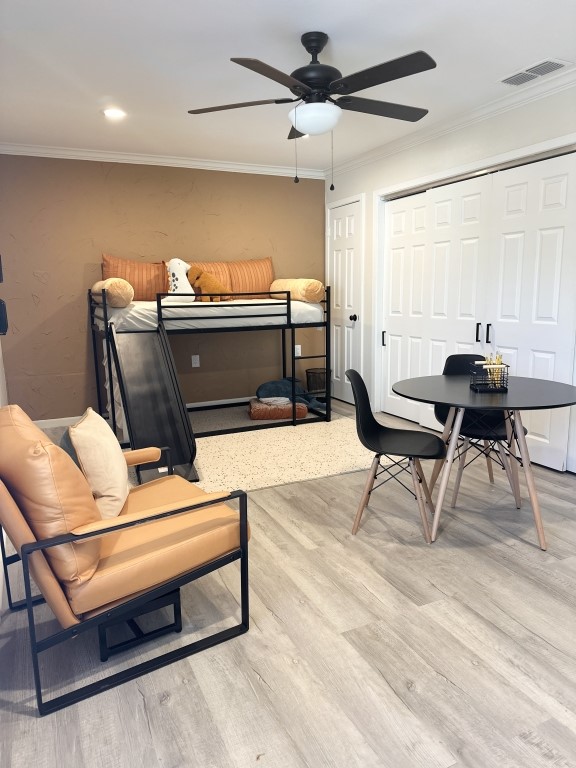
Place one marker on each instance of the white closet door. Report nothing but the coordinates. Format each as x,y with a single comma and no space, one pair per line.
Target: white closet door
345,277
486,265
532,310
407,269
459,247
434,279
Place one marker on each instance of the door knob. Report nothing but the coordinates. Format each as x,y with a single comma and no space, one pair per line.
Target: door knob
353,318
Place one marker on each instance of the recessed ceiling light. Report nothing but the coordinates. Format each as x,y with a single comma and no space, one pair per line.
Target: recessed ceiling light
114,114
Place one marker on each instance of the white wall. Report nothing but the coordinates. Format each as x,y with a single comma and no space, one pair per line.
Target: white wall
517,132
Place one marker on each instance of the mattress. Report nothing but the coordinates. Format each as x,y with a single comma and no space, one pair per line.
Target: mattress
202,315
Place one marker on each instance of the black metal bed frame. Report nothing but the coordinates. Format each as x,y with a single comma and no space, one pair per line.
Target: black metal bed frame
287,328
150,600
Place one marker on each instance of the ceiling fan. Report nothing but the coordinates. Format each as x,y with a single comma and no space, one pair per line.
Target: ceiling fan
316,85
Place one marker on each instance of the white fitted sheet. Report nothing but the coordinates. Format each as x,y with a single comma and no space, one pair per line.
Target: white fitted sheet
142,315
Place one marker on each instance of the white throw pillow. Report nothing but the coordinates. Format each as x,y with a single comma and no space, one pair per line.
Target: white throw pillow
178,277
102,462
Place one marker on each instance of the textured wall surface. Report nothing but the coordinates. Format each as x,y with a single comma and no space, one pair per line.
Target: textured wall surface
58,216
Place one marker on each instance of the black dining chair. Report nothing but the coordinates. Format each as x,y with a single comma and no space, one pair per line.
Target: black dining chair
483,431
402,448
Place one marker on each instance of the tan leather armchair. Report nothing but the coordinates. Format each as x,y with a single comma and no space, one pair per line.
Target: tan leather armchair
94,572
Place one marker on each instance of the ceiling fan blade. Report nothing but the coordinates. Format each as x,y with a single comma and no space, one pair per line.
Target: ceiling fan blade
382,108
242,104
274,74
410,64
294,134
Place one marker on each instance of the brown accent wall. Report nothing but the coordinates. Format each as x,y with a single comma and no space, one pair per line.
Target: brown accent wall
58,216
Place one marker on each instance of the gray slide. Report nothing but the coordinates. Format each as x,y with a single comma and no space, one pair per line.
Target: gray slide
154,409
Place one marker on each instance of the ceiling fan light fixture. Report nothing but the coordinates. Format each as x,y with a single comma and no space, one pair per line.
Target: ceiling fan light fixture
315,118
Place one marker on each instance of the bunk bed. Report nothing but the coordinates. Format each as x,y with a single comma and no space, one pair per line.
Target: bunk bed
180,313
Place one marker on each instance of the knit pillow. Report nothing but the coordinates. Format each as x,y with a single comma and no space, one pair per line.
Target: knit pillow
119,292
301,289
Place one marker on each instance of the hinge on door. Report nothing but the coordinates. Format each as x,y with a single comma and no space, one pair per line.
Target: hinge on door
383,338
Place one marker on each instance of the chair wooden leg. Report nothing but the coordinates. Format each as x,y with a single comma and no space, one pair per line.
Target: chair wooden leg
461,464
418,479
514,486
366,492
488,461
426,488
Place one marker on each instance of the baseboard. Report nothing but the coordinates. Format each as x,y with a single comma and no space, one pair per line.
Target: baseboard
64,422
216,403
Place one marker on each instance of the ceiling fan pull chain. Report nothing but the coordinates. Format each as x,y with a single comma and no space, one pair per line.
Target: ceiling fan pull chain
296,179
332,159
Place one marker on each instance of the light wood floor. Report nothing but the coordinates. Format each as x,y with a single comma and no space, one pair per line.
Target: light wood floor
369,651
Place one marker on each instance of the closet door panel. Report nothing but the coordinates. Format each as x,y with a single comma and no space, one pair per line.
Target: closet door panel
435,247
534,318
509,283
458,244
440,271
467,303
548,269
407,300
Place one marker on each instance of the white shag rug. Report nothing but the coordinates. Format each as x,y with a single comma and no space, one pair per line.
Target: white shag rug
266,457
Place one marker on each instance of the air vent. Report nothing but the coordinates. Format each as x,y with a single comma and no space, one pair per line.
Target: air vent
545,68
519,79
532,73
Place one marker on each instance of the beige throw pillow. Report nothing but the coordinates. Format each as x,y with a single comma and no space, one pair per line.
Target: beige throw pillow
119,292
102,462
301,289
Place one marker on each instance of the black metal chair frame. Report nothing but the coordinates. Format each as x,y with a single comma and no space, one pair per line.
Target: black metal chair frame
399,462
127,610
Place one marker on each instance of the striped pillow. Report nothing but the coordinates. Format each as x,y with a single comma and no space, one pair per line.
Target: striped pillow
217,268
254,275
145,277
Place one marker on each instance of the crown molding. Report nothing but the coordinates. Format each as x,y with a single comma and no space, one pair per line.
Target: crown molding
505,104
62,153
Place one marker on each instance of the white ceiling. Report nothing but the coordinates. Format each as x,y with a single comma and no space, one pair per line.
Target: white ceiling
63,61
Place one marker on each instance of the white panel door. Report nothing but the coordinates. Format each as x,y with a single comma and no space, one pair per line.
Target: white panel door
345,277
486,265
406,278
435,293
531,308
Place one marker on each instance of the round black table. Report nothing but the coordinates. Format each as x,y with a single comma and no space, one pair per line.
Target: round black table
524,394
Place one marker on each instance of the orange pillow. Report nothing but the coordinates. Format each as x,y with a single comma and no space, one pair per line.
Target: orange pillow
259,410
217,268
244,276
147,278
251,276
